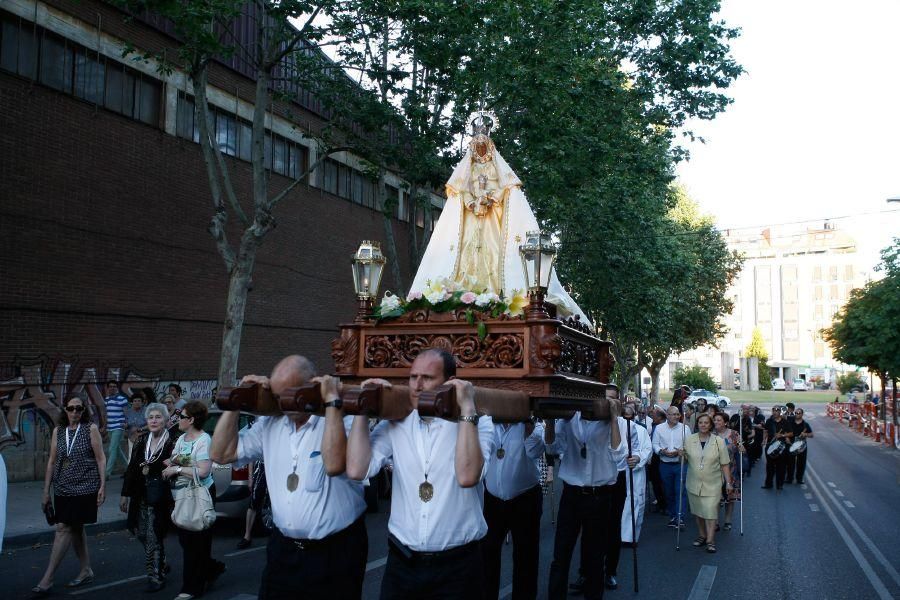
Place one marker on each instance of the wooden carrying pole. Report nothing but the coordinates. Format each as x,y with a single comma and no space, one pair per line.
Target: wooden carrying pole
503,406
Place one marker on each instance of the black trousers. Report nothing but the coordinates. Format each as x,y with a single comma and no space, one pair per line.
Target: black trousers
587,513
452,576
776,467
801,466
614,530
521,516
790,463
198,566
332,568
659,493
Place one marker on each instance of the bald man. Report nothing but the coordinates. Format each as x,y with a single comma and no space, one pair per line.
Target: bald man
319,544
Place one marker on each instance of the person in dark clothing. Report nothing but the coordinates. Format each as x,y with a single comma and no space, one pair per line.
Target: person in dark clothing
797,462
777,429
147,497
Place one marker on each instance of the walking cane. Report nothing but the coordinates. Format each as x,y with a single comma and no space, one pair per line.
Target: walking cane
741,472
680,495
633,535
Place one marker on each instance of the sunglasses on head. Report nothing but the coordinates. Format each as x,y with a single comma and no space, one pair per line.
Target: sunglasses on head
75,408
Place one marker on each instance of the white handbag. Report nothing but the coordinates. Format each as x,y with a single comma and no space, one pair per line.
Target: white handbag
194,510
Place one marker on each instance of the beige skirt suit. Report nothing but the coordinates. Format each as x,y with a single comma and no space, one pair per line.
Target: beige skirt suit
704,477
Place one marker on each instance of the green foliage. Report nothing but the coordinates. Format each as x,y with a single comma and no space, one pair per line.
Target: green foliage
847,381
697,377
757,348
765,376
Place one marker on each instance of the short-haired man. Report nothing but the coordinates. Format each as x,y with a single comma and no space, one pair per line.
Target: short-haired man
176,391
777,429
436,523
668,439
590,451
319,546
116,403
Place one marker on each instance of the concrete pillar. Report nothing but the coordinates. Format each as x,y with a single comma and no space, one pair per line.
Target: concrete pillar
727,359
753,373
745,374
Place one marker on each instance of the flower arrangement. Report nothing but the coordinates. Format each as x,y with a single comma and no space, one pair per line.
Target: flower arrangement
445,295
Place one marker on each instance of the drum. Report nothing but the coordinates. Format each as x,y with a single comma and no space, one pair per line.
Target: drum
798,447
775,449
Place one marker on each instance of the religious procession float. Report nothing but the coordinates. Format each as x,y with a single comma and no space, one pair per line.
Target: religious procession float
487,293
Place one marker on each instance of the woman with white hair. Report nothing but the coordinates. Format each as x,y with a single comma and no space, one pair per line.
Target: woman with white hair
146,495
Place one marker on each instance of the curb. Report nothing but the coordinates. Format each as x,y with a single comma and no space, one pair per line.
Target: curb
26,540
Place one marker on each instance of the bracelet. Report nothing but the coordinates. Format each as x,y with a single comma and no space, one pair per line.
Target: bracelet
473,419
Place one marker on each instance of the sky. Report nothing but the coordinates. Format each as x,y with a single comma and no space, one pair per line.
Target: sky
814,129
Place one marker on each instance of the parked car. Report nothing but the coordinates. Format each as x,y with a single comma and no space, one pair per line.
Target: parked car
799,385
232,484
778,384
710,397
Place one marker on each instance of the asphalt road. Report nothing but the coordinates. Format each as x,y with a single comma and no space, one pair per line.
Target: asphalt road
837,537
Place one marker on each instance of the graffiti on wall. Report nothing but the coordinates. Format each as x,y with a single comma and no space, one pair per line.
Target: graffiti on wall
37,387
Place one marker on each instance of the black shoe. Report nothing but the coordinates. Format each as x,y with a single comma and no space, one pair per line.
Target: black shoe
155,586
767,487
789,481
611,582
799,482
244,543
673,523
218,567
577,586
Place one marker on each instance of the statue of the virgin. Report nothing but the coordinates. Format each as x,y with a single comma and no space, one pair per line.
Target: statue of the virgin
476,240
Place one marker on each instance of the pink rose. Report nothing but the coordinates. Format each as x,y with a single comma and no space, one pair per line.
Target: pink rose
414,296
468,298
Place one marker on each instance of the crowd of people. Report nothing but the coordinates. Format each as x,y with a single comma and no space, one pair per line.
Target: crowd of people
458,488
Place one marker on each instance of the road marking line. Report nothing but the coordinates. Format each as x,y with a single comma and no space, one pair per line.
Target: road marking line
814,507
839,493
247,551
849,504
872,547
505,592
94,588
376,563
876,582
830,483
703,584
808,496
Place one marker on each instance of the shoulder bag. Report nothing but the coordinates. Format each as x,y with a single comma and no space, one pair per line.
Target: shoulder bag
194,510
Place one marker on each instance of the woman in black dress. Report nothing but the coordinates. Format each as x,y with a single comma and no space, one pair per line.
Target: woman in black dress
147,497
77,468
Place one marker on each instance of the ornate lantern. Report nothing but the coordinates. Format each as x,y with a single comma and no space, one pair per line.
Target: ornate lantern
368,265
538,255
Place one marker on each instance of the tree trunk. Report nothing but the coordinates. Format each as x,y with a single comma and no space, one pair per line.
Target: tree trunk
389,240
235,309
654,368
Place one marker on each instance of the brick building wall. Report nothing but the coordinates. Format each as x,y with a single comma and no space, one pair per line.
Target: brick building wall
106,267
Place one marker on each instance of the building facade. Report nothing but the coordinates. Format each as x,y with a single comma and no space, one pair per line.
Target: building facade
792,284
107,267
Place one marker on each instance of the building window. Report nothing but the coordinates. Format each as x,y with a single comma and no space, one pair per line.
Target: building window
848,273
817,274
63,65
832,273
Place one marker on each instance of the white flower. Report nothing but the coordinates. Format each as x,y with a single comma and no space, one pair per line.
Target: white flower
389,302
486,298
435,296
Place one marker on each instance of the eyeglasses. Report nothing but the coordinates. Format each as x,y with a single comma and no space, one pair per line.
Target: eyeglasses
185,417
75,408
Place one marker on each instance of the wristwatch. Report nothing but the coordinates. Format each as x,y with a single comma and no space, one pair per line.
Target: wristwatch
473,419
336,403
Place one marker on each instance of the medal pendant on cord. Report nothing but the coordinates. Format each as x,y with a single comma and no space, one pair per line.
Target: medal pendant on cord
501,452
145,469
426,490
65,463
293,481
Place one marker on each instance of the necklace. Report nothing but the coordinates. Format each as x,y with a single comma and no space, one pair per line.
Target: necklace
578,429
293,480
70,446
151,454
500,451
426,489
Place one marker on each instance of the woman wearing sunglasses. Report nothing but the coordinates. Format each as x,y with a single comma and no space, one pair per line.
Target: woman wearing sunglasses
76,468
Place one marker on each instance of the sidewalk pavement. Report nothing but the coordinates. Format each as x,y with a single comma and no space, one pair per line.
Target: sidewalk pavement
25,522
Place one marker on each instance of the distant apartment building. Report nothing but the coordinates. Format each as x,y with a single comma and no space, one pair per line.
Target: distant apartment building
792,284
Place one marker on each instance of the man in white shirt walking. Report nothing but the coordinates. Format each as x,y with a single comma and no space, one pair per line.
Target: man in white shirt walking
668,439
513,503
590,451
436,523
319,546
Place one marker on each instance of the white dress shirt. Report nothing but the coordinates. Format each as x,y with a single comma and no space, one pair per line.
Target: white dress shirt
669,438
321,505
517,471
453,516
599,466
